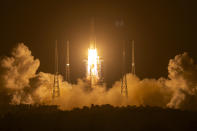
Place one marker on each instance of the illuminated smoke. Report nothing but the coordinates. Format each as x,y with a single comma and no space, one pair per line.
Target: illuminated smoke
19,83
183,82
16,72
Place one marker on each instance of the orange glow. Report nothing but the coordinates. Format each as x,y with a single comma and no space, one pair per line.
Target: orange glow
93,73
93,60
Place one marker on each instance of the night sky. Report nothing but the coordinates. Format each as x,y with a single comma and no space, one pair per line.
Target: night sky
161,29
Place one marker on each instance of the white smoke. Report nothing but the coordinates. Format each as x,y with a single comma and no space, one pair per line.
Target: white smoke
20,83
16,72
183,81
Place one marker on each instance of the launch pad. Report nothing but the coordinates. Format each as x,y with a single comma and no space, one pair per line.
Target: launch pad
94,66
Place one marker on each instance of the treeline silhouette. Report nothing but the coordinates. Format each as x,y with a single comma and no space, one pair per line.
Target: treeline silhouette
95,118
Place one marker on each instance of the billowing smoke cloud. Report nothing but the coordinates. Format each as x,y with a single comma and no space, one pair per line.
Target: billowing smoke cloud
20,83
183,82
16,71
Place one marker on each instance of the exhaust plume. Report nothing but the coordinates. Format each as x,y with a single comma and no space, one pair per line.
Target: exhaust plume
21,84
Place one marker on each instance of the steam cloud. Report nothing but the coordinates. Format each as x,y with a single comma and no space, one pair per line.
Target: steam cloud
21,84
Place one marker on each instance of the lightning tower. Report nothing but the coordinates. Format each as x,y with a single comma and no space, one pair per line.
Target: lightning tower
124,90
133,59
67,63
56,87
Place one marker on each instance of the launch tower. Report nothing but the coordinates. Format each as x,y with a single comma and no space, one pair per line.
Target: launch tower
56,87
133,59
124,90
67,75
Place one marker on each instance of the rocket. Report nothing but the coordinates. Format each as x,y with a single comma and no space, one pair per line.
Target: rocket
92,35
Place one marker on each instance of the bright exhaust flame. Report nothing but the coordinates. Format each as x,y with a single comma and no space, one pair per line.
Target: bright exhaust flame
93,61
94,66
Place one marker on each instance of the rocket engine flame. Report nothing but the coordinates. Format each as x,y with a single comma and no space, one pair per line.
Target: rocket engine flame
92,62
93,66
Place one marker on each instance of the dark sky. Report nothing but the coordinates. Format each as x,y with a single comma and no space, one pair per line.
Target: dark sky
161,29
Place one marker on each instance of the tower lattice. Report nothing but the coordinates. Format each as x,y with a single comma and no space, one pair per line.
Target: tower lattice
124,90
56,87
